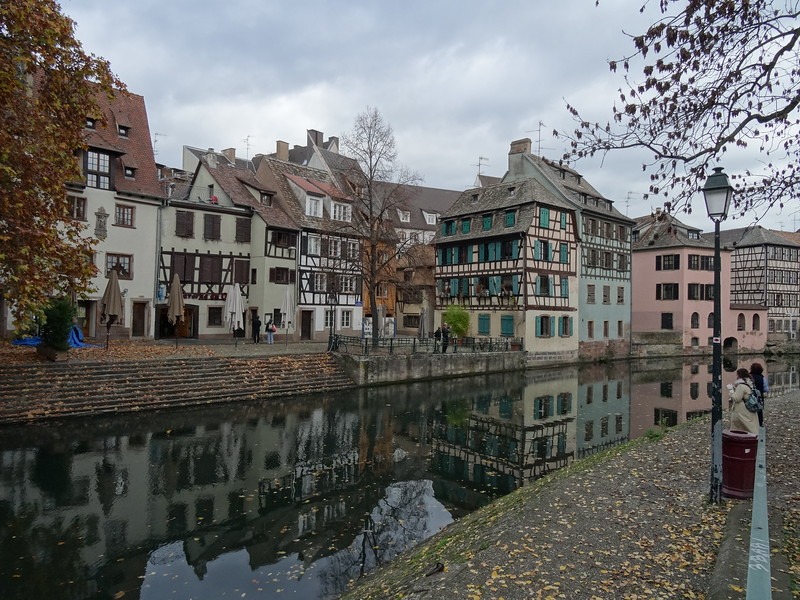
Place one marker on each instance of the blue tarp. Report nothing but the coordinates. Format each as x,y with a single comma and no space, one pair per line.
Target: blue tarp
75,340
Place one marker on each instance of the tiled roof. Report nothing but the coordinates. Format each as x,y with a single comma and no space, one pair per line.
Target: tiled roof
744,237
236,179
663,230
276,173
135,150
418,200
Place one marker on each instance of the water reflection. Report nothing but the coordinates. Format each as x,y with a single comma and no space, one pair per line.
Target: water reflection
303,496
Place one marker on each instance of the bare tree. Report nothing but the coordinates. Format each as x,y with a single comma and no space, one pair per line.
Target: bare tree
719,75
380,186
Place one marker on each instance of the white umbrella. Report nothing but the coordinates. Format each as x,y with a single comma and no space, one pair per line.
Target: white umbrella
234,308
288,308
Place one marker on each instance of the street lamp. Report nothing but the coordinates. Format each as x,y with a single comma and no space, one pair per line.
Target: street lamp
717,192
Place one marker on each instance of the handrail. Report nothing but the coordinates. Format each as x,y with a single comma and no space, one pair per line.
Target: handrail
759,581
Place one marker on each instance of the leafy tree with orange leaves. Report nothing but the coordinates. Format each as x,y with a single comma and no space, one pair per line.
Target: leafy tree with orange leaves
47,89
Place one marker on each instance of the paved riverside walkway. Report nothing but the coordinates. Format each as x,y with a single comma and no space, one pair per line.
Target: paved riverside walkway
633,523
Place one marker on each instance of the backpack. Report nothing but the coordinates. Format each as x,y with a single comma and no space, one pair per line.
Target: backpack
755,401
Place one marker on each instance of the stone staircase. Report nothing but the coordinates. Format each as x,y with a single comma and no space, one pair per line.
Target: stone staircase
46,391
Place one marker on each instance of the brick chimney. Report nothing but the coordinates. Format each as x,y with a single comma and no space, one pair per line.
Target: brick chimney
516,161
230,154
282,150
333,144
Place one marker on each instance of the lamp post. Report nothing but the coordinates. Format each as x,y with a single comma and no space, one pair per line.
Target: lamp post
717,192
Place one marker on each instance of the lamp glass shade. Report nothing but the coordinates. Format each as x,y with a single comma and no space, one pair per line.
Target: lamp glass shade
717,192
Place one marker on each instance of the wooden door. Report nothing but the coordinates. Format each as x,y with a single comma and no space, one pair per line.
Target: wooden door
139,324
306,322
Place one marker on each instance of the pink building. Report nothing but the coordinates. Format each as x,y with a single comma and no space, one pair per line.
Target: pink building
672,309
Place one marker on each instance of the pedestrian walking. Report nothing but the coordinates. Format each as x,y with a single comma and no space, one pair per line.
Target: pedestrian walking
256,329
270,330
445,337
762,385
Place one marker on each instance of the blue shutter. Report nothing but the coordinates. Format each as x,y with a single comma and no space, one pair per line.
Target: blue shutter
515,249
563,220
564,253
544,217
515,284
552,328
469,253
570,326
483,324
439,256
481,252
537,250
538,326
564,287
538,287
494,285
507,325
453,286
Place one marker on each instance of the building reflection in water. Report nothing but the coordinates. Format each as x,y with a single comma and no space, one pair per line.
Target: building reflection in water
307,494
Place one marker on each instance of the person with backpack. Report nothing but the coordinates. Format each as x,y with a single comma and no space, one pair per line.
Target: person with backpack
762,385
270,330
741,417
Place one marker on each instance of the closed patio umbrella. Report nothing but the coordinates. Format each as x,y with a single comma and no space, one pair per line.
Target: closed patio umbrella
288,308
175,304
111,308
234,308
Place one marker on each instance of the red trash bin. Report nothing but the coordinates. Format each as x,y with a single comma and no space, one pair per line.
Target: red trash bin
738,463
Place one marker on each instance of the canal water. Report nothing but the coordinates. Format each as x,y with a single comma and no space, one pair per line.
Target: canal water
299,497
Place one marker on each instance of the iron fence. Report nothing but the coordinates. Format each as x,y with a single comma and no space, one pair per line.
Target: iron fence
364,346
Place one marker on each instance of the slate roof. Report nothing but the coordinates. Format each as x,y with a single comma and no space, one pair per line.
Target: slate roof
663,230
575,187
495,199
417,200
745,237
135,151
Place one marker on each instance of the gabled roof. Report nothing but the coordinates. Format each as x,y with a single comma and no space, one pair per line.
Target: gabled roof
237,179
278,173
135,151
663,230
418,200
792,236
745,237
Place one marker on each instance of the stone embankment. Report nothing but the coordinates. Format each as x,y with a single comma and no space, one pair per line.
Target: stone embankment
45,391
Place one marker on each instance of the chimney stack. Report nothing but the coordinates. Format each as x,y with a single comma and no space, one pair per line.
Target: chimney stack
316,137
230,154
516,157
282,150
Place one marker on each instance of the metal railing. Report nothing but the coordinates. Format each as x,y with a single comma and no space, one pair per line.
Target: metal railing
364,346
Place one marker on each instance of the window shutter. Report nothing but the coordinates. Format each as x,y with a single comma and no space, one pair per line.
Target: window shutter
658,263
292,276
242,229
677,262
323,247
481,252
538,326
537,250
658,291
515,284
469,253
552,327
570,326
272,274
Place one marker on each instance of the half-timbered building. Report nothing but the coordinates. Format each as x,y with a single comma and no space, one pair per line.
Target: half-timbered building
605,257
766,272
508,253
673,301
328,286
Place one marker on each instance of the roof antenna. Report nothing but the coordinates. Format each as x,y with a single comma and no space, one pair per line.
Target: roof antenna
482,160
155,141
246,141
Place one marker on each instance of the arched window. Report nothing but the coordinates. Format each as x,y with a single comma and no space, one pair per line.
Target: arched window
710,320
695,320
756,323
740,322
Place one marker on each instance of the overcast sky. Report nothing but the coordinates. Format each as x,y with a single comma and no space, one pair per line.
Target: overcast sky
456,80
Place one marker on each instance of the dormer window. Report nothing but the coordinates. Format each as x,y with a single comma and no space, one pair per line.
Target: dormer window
266,199
313,206
91,123
123,130
474,197
430,218
512,191
130,172
404,216
341,212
